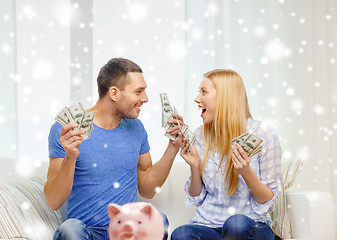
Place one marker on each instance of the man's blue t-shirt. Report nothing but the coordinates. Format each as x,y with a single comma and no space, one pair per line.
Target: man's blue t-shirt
106,169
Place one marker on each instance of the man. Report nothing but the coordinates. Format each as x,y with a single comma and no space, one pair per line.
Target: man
110,165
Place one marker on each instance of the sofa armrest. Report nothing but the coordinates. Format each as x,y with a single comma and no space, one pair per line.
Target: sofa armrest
312,215
24,212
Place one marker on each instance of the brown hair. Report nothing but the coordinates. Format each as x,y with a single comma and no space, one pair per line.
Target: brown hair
114,73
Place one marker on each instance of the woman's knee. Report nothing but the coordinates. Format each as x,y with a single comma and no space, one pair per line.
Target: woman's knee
182,232
237,226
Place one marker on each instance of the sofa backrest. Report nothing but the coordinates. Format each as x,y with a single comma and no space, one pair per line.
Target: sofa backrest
14,170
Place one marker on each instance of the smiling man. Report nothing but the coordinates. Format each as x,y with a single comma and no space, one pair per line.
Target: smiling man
113,163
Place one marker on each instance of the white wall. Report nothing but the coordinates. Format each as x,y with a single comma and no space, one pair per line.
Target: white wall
151,34
8,109
286,53
52,53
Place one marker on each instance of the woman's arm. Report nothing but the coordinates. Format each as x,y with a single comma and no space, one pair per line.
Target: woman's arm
241,161
191,157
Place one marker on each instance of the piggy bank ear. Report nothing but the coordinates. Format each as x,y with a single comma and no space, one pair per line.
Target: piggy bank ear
113,210
147,210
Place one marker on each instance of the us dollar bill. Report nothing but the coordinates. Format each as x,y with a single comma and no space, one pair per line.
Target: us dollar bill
256,151
64,117
240,138
187,133
86,124
249,142
170,125
77,114
166,109
167,112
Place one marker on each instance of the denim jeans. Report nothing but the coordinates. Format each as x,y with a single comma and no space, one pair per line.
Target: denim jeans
74,229
236,227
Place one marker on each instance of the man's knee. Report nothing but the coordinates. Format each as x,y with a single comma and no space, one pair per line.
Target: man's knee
69,229
166,225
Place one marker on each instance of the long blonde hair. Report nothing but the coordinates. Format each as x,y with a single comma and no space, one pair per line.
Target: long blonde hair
231,114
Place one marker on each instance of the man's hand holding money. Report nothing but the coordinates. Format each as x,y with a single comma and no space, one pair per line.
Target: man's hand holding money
174,129
70,139
77,125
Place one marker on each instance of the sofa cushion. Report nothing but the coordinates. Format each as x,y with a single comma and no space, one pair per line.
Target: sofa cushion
24,212
280,216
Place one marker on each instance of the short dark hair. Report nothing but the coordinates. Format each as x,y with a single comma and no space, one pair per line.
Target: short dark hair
114,73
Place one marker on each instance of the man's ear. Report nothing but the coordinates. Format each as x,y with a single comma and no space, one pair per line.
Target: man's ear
114,93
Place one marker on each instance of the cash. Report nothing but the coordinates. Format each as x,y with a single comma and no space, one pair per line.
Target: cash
166,109
250,143
170,125
167,112
77,114
187,133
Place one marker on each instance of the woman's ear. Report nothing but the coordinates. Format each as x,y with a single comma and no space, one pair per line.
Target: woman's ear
114,93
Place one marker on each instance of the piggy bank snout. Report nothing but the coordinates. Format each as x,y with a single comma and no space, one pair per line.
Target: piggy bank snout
127,227
137,221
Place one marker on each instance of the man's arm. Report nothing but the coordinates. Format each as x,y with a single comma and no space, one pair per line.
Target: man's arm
152,176
61,170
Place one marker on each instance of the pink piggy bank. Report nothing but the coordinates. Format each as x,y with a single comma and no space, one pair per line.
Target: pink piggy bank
135,221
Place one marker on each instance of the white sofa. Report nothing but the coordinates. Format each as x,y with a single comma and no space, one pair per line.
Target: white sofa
311,213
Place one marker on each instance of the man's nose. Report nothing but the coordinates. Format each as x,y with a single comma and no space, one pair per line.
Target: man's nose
144,98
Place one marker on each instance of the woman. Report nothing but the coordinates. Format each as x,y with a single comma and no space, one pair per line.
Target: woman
234,193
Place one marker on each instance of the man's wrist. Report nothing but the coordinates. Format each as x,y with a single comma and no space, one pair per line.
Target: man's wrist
173,148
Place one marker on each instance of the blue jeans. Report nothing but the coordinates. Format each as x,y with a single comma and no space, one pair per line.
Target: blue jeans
74,229
236,227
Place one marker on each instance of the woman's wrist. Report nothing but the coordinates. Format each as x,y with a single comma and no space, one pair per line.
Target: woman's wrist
195,169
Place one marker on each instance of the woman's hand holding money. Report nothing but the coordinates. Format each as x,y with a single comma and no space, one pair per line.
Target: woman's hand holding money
240,159
71,139
190,155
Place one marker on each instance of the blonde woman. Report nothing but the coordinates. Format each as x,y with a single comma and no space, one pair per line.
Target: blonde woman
234,193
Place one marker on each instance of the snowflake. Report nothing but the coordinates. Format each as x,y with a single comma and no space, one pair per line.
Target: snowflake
137,12
231,210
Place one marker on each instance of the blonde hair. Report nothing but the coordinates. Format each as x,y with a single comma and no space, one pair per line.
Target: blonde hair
231,114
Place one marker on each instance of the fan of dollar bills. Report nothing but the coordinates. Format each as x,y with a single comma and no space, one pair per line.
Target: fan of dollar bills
167,112
77,114
250,143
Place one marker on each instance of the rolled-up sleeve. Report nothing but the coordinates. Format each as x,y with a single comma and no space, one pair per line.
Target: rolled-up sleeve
270,172
271,204
189,200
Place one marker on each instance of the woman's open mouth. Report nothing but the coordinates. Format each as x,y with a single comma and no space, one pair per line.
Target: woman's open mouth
203,110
